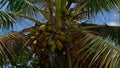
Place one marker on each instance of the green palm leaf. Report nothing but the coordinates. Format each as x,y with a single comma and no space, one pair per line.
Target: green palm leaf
111,32
25,7
89,8
106,32
7,19
79,47
13,48
92,51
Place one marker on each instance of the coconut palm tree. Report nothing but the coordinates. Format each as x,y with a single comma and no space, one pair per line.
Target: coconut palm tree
58,40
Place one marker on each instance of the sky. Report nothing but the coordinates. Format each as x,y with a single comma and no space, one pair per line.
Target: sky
110,18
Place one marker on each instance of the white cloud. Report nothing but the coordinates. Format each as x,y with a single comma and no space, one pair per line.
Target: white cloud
113,24
116,15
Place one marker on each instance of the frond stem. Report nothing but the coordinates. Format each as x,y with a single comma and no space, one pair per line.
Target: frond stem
29,18
69,58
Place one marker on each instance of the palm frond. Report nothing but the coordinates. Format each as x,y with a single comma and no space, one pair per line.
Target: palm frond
89,50
12,49
7,19
111,32
105,31
88,8
24,7
3,3
106,5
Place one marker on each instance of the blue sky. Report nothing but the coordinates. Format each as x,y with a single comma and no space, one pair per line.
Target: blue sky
110,18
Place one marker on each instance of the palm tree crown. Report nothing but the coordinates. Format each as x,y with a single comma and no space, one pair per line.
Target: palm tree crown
59,41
